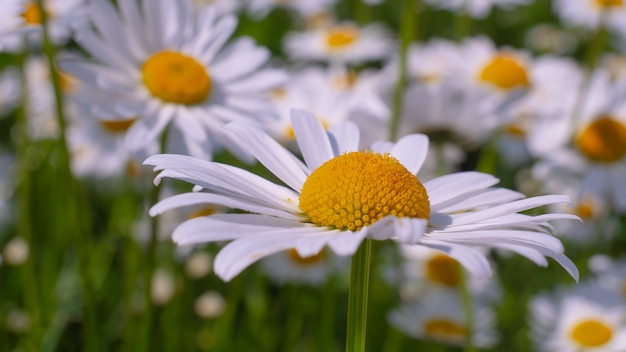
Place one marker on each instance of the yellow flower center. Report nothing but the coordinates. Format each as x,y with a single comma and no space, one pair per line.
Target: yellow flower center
505,72
444,270
591,333
444,329
32,15
359,188
515,130
584,211
205,211
609,3
340,37
176,78
116,126
312,260
603,140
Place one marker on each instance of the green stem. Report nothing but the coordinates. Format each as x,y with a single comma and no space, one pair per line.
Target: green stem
357,298
327,316
462,24
77,216
407,29
468,311
151,259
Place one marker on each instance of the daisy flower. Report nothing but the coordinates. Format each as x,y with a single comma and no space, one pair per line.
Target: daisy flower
305,8
598,154
343,42
289,267
10,21
583,318
9,90
592,13
474,8
171,66
64,18
439,317
332,95
339,195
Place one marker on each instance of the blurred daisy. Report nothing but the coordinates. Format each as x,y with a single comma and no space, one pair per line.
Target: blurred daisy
598,156
171,67
6,185
581,318
610,273
304,8
332,95
343,42
64,18
548,38
590,13
10,22
9,90
289,267
474,8
425,270
340,195
439,317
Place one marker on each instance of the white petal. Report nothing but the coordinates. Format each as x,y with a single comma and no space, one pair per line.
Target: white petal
457,185
472,260
411,151
344,137
479,198
312,138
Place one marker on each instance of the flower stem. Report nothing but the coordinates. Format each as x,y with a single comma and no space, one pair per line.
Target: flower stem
76,215
357,298
407,29
468,311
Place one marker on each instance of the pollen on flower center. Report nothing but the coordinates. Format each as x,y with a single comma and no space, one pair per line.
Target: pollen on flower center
591,333
305,261
609,3
505,72
603,140
359,188
32,15
176,78
116,126
444,329
444,270
340,37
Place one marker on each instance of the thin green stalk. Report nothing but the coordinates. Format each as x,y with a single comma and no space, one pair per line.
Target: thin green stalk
357,298
76,214
407,30
327,316
468,311
24,197
151,259
462,24
361,12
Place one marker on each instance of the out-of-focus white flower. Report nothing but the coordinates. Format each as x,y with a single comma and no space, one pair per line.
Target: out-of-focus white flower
304,8
591,13
209,305
474,8
332,95
9,90
550,39
343,42
163,286
198,264
598,155
581,318
16,251
339,196
439,317
17,320
289,267
167,64
7,187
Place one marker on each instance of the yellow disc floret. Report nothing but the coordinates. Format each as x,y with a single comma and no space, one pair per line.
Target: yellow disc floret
176,78
32,14
340,37
444,329
505,72
305,261
359,188
591,333
443,270
603,140
610,3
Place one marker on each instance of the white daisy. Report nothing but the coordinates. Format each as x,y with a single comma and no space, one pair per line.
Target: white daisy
598,155
64,18
474,8
304,8
9,90
289,267
584,318
332,95
610,273
343,42
10,22
439,317
590,13
340,195
425,270
166,63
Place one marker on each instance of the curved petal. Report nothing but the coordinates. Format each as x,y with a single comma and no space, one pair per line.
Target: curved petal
312,138
411,151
